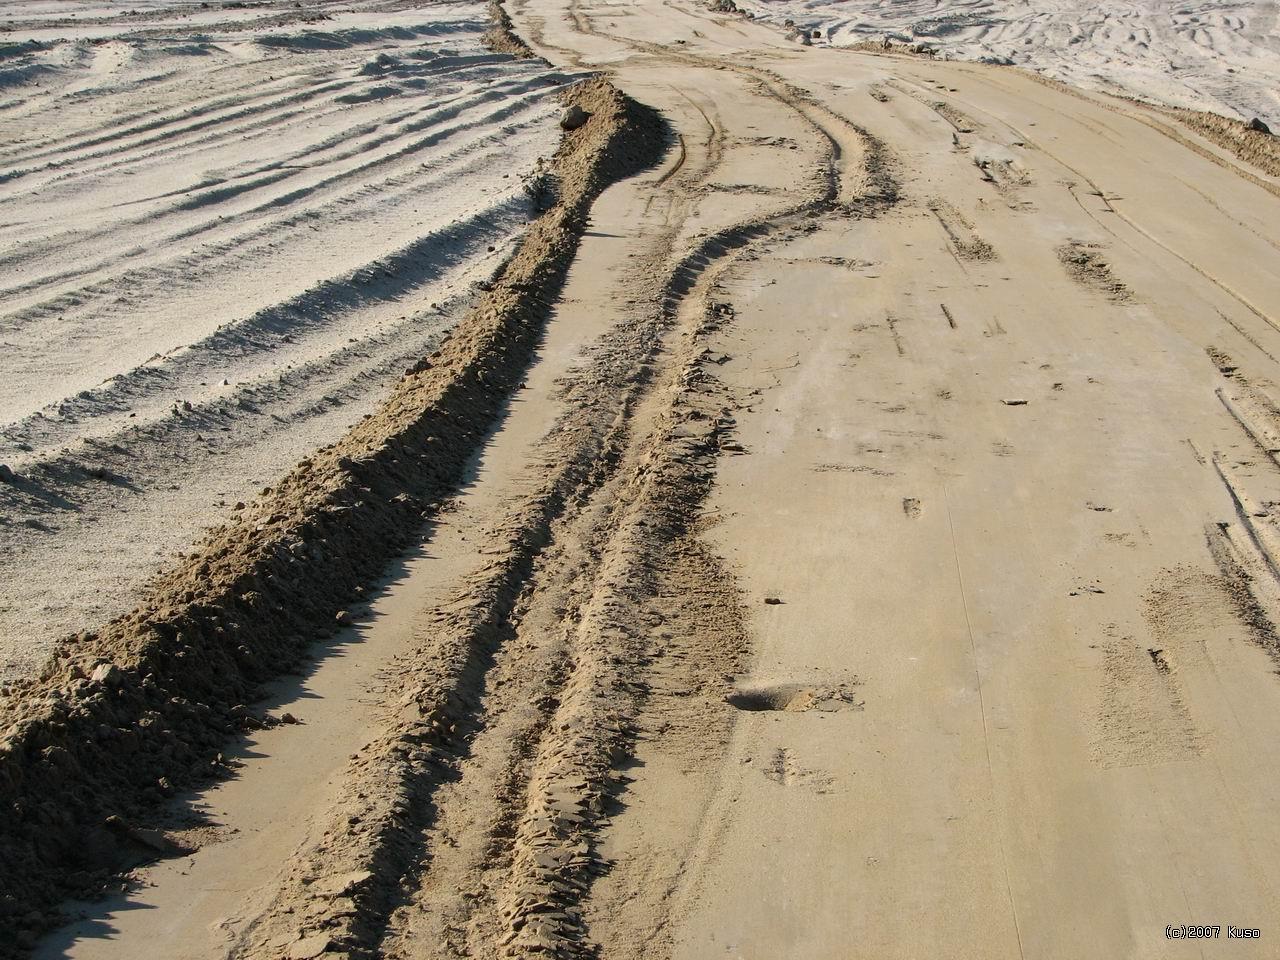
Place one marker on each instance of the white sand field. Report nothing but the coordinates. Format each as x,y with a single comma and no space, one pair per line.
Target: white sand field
1219,56
224,231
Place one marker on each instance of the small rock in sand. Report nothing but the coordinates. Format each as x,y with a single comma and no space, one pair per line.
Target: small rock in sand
573,118
107,673
146,836
308,947
339,884
772,601
1014,402
155,839
1259,126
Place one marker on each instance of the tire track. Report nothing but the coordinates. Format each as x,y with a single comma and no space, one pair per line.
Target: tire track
541,857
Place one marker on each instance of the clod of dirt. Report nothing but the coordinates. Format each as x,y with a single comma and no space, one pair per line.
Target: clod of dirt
1226,366
1257,125
1088,588
341,884
154,840
573,117
1085,265
772,601
308,947
107,674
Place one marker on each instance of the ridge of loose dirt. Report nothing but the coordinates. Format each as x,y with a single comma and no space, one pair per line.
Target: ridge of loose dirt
122,716
501,37
1262,150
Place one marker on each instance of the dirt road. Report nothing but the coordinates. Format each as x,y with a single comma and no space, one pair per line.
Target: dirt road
878,559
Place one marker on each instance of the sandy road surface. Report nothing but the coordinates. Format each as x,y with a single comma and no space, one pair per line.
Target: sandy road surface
877,560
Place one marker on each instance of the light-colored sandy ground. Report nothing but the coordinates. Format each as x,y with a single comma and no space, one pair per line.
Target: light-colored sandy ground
225,232
878,562
1204,54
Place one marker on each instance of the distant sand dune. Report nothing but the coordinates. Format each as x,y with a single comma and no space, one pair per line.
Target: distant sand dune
1223,57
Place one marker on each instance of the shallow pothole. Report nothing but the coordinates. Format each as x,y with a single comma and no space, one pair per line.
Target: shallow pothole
794,698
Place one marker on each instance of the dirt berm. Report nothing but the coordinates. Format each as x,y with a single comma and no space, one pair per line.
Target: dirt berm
122,717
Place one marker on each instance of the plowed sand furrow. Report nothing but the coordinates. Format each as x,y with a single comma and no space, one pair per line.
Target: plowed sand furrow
228,82
218,132
161,477
175,91
368,221
155,139
260,299
363,213
283,340
275,199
